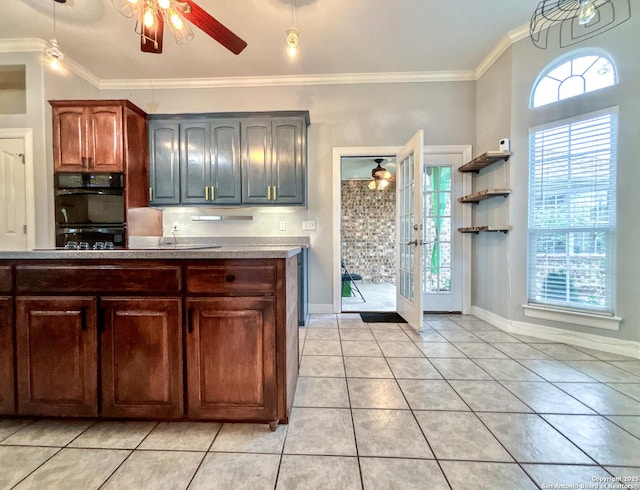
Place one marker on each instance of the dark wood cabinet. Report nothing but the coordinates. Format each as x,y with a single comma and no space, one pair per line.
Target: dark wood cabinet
103,136
231,358
141,357
210,339
87,138
7,379
57,356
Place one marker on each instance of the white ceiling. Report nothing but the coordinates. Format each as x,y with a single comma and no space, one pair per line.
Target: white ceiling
336,36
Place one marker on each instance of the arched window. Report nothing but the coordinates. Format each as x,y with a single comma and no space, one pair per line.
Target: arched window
572,192
578,75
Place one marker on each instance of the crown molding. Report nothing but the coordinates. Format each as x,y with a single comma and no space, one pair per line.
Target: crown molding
289,80
499,49
35,45
39,45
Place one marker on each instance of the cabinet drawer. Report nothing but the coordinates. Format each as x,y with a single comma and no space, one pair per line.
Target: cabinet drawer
97,278
231,278
5,279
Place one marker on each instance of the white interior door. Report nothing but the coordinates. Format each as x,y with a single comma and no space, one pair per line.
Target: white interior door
442,250
13,204
409,273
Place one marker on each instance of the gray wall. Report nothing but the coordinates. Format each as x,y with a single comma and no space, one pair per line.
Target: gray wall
341,116
499,285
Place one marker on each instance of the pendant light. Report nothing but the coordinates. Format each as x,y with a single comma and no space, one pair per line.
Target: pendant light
53,52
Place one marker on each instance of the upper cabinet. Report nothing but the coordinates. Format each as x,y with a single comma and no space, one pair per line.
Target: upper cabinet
229,159
164,171
273,166
102,136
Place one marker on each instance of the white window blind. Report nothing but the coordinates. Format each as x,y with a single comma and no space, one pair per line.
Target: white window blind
572,213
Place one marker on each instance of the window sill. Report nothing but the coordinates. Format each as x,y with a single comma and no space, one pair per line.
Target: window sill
573,317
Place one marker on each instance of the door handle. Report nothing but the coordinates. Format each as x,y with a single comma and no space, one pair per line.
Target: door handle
414,242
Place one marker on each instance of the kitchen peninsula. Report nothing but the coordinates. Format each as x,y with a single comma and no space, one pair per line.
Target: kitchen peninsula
195,331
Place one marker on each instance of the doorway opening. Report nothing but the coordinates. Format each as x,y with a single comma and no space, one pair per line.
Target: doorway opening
438,282
367,234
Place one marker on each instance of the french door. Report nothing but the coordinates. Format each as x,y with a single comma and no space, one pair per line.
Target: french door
409,270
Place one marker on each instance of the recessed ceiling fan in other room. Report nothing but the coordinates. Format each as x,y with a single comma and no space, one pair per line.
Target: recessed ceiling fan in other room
151,16
380,176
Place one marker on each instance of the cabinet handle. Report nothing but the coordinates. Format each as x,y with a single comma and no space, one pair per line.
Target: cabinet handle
268,193
150,193
274,193
213,193
190,320
206,193
84,161
230,278
90,162
83,318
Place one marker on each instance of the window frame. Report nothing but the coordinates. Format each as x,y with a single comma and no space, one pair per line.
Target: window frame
541,309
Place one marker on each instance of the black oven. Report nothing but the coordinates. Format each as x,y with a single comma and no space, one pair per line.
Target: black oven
89,209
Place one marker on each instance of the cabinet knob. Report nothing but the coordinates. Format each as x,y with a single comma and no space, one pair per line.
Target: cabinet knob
230,278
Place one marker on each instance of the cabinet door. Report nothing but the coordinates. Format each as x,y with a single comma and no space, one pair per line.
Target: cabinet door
141,357
164,157
57,356
225,162
195,163
231,364
256,162
70,142
105,137
288,157
7,379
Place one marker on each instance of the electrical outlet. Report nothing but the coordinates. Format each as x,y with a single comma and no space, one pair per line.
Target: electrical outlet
174,227
309,225
283,225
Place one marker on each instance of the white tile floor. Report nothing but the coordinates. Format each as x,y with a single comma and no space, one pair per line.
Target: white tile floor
378,406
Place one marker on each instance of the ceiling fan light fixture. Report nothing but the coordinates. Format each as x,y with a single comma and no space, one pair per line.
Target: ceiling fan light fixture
182,33
128,8
164,4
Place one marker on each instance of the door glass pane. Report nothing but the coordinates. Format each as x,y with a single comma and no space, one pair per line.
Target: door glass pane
437,228
406,231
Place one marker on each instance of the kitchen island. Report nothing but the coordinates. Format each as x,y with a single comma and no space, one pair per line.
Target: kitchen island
185,332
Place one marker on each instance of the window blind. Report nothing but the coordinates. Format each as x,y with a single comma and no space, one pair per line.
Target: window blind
572,213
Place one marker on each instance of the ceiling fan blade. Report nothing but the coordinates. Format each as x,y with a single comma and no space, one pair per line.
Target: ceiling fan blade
201,19
151,37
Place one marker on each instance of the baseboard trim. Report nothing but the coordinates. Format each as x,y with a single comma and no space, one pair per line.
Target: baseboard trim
320,308
616,346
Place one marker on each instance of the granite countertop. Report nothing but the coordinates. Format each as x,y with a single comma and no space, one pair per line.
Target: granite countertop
195,248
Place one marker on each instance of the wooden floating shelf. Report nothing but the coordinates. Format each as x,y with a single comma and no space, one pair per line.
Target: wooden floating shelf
478,229
484,160
476,197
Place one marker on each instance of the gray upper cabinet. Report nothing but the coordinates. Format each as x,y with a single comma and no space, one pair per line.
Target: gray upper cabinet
164,171
231,160
273,166
225,162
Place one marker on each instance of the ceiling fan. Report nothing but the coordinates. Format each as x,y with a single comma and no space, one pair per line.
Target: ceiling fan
380,176
153,14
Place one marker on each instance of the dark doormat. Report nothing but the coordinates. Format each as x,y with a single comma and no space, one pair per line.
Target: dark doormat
388,317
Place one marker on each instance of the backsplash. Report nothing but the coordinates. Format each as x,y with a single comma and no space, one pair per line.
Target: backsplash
369,231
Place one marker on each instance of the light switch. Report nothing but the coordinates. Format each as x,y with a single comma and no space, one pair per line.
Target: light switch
283,225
